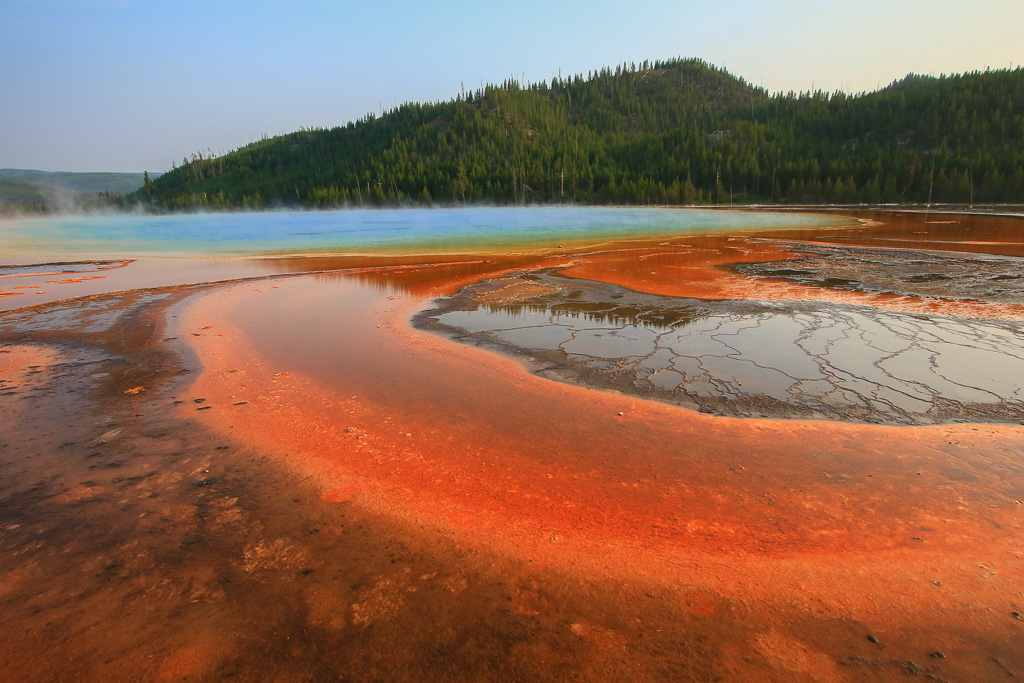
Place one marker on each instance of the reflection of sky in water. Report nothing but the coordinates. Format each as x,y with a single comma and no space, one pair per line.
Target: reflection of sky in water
396,230
842,357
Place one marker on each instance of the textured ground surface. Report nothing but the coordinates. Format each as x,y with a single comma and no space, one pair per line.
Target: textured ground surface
792,359
281,479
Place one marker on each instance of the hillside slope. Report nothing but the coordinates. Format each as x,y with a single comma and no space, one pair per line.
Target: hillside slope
28,190
675,132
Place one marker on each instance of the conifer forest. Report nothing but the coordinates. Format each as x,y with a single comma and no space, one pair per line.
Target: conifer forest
677,132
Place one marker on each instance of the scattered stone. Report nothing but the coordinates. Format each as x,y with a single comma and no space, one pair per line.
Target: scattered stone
937,655
306,572
221,448
206,482
1018,616
135,390
203,408
200,400
240,403
872,638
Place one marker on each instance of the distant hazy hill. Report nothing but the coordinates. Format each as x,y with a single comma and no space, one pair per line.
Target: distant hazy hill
675,132
46,191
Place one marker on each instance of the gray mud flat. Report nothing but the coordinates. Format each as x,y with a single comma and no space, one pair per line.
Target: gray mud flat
939,275
748,359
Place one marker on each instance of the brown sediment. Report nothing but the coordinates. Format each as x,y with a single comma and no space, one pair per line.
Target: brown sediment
358,498
62,268
73,280
150,548
701,266
964,232
841,521
487,409
19,361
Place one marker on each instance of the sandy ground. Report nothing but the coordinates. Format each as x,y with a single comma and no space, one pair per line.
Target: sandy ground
282,479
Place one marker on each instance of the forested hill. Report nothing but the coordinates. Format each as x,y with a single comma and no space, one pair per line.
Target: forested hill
676,132
23,190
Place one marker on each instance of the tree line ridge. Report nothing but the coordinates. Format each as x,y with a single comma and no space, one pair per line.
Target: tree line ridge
679,131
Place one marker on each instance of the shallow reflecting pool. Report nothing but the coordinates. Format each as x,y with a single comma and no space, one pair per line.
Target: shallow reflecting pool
741,358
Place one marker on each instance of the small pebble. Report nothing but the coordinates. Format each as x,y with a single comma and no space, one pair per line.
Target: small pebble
937,655
872,638
203,408
1018,616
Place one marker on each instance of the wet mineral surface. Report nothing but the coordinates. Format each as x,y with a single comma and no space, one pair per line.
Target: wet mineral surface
280,478
747,358
902,272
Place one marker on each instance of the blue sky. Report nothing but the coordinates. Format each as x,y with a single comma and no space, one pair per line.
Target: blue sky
132,85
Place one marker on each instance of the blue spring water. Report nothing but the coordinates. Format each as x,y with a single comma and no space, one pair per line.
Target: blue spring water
361,230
